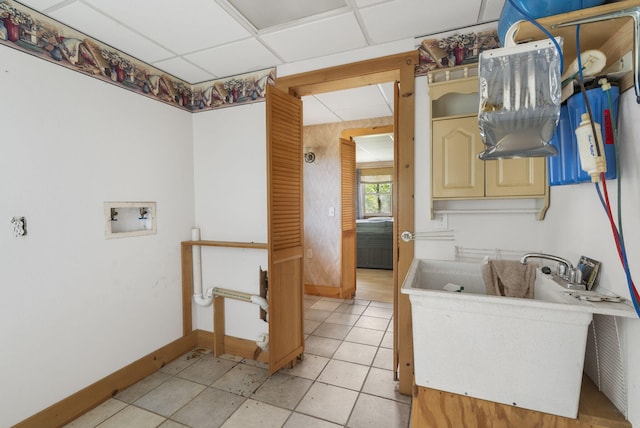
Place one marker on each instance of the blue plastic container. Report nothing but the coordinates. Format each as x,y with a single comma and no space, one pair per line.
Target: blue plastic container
561,168
564,168
537,9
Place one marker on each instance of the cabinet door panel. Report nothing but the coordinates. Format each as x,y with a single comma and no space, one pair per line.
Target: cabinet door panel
516,177
457,171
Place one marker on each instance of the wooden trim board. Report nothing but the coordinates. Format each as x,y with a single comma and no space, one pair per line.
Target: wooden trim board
77,404
234,346
326,291
430,407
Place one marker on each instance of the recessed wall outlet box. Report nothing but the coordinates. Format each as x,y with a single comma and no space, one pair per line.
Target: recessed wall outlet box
123,219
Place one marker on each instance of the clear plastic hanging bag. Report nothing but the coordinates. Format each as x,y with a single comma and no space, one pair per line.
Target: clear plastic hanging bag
519,100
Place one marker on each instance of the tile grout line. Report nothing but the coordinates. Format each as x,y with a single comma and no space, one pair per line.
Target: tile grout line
360,391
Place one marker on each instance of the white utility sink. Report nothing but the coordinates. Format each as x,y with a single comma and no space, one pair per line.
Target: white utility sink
523,352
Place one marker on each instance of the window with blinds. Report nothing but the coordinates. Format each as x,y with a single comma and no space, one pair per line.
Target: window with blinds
376,192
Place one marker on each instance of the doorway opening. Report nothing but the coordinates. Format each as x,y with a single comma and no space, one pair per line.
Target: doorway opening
397,68
374,213
331,201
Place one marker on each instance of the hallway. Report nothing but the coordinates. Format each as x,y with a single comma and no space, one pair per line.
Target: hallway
375,285
344,380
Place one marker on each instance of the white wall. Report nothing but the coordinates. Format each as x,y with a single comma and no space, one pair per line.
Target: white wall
231,205
74,306
575,225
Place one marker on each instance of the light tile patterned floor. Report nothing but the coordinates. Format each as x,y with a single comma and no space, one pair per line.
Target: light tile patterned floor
345,380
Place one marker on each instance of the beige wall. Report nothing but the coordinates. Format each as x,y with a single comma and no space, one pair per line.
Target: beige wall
322,192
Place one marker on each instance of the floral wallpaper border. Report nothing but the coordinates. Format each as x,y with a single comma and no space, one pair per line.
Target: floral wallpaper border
31,32
456,49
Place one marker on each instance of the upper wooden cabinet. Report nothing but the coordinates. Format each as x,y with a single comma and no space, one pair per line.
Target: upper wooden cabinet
456,170
458,173
516,177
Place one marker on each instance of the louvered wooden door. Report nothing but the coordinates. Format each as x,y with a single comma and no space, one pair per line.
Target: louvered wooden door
286,227
348,185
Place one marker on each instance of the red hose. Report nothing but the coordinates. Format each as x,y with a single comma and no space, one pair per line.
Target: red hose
614,229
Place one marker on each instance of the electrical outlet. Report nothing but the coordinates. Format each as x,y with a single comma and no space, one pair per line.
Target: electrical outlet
309,253
441,221
332,211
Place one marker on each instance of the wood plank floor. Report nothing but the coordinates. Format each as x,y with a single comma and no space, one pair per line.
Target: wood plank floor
374,284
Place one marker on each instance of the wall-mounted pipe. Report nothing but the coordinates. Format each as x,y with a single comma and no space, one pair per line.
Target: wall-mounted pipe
239,295
263,339
260,301
263,342
198,296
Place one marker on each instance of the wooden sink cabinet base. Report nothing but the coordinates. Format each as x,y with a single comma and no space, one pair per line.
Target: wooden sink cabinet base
438,409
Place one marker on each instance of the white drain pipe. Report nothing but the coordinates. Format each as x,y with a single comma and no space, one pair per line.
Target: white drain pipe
263,339
198,296
263,342
200,299
260,301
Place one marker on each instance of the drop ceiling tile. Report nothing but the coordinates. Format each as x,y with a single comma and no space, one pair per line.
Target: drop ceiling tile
374,148
234,58
364,112
357,103
40,5
106,30
315,113
362,54
363,156
281,12
184,70
492,10
180,26
365,3
412,18
324,37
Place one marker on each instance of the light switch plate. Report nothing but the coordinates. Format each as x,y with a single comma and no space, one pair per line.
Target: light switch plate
441,221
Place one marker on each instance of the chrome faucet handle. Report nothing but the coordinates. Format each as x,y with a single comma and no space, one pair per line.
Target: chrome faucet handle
574,281
577,276
561,270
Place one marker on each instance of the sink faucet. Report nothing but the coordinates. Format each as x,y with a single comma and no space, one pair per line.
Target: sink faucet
566,271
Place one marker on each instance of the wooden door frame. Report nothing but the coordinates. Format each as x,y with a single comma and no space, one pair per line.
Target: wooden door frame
400,68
